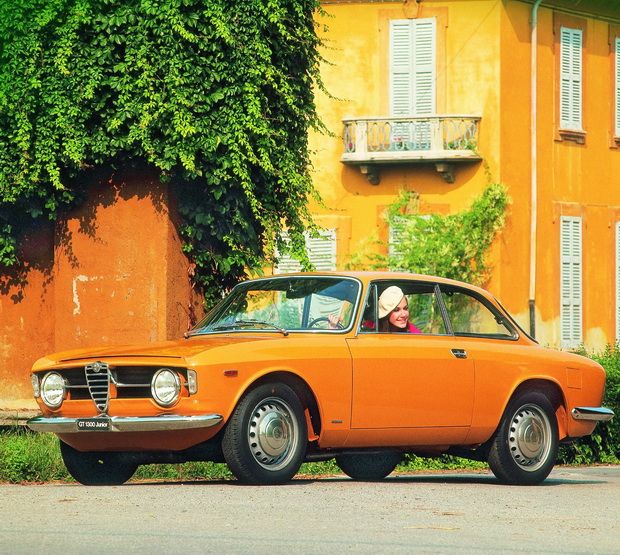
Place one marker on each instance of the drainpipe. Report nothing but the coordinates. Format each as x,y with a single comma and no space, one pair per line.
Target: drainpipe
534,177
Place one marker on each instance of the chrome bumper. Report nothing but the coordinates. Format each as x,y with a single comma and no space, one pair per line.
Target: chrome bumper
592,413
62,425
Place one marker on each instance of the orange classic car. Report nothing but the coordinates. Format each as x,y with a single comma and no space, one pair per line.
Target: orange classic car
357,366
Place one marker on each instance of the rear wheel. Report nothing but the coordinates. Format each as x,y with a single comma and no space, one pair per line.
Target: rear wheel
525,445
266,438
369,467
97,468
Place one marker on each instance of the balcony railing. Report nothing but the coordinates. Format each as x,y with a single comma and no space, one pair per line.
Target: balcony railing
441,140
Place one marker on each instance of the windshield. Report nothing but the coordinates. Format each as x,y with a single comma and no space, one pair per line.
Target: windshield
285,304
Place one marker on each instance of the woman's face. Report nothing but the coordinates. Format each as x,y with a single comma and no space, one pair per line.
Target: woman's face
400,315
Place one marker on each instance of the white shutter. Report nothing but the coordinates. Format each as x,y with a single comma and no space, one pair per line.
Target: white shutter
570,78
395,231
618,281
412,80
401,90
321,252
570,282
425,67
617,86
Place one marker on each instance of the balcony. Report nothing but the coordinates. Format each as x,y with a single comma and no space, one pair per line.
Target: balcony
444,141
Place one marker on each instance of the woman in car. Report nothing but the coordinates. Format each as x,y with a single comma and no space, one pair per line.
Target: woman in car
393,311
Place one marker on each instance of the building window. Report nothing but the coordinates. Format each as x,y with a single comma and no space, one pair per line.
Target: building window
402,228
412,80
617,88
321,252
412,65
571,79
570,282
396,227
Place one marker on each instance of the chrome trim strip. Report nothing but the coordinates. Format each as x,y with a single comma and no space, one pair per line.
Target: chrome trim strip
592,413
62,425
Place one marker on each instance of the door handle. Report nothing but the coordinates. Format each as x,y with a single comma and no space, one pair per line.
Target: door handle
459,353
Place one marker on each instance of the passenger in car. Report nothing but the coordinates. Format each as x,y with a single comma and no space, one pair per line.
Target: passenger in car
394,312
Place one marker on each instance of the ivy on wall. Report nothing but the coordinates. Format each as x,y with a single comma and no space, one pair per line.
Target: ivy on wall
217,96
453,246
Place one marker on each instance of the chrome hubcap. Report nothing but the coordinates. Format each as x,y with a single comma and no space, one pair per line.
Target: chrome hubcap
529,437
272,434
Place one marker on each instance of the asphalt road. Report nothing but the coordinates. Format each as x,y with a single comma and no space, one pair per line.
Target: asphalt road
574,511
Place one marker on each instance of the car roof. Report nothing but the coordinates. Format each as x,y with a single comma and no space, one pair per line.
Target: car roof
373,275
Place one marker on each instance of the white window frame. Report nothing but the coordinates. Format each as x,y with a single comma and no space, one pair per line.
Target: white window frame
321,252
571,280
571,78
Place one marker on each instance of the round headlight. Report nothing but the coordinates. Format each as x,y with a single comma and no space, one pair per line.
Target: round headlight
165,387
52,390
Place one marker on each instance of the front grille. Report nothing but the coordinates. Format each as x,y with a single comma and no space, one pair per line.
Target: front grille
98,381
111,382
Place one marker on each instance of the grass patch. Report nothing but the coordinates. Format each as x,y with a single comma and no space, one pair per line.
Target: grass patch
30,457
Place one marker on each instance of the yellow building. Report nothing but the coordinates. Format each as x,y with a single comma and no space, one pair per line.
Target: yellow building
535,87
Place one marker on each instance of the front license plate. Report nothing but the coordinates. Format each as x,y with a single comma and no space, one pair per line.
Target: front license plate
93,424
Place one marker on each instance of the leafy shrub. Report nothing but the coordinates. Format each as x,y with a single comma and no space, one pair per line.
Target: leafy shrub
217,97
454,246
603,446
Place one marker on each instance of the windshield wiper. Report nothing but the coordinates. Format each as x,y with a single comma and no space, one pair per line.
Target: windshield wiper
240,323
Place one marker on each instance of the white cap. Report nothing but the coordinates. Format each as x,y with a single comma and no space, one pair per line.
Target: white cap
389,299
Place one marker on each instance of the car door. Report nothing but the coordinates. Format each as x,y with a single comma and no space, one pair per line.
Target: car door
411,380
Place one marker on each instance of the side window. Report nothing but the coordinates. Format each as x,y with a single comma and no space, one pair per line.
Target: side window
470,316
424,312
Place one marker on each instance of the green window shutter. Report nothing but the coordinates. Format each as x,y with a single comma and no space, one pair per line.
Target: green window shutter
570,282
570,78
412,64
321,252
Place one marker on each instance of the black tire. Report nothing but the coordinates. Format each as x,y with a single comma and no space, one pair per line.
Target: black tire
369,467
266,437
97,468
525,446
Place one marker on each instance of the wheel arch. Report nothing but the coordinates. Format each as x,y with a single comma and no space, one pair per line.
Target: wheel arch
556,397
304,393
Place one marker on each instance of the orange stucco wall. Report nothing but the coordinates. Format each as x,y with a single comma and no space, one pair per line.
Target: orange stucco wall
114,275
467,69
484,67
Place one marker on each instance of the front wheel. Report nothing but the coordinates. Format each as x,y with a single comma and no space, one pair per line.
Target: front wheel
97,468
265,440
525,446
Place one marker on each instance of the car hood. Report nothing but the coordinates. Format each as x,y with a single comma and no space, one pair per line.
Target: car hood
182,350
